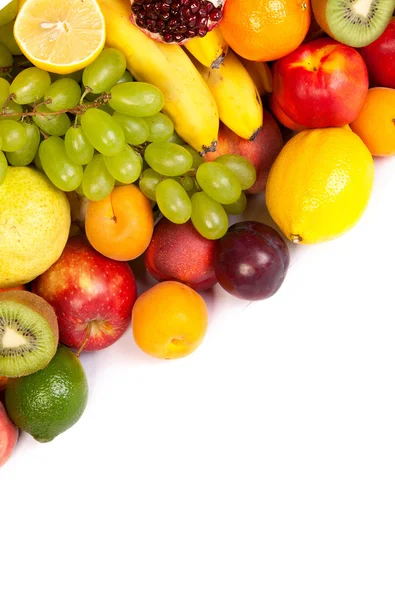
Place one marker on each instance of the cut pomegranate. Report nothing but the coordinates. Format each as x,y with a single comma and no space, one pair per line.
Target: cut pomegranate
176,21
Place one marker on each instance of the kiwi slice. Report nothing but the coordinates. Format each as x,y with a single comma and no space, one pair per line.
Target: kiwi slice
356,23
29,333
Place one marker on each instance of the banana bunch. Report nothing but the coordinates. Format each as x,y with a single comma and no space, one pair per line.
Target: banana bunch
238,100
210,50
260,74
188,101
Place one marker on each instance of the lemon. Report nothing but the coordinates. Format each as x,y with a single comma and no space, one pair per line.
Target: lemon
320,184
50,401
60,36
34,225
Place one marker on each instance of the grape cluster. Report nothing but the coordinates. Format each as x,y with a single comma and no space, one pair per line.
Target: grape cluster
98,128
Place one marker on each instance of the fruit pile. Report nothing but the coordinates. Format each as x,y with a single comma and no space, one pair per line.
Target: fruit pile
137,130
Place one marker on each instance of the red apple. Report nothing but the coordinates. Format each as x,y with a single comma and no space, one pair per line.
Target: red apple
8,436
321,84
262,152
380,58
92,296
180,253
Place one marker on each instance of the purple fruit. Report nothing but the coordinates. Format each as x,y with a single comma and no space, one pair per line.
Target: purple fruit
251,261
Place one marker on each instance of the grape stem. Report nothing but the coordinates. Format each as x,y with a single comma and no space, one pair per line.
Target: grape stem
77,110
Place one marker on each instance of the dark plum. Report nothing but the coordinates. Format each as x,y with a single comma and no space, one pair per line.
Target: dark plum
251,261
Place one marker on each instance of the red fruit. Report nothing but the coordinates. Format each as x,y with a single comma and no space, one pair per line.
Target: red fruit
261,152
282,117
8,436
321,84
180,253
380,58
176,21
92,296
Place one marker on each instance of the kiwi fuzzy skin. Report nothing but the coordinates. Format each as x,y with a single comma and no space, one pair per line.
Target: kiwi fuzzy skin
38,305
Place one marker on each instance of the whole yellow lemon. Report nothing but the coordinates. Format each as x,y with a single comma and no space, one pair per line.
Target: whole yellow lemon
320,184
34,225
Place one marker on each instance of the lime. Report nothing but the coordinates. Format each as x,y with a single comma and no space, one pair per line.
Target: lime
49,401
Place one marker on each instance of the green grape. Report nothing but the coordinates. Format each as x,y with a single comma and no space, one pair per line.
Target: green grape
125,166
241,167
77,76
148,183
168,159
78,147
52,124
37,161
61,171
64,94
13,135
197,159
104,133
175,138
187,182
7,38
237,207
3,167
30,85
9,12
160,128
97,182
24,156
11,108
104,71
218,182
1,143
4,90
6,59
173,201
208,216
135,129
136,99
126,77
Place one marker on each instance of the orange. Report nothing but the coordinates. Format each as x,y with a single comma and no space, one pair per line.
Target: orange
169,320
265,30
120,226
375,124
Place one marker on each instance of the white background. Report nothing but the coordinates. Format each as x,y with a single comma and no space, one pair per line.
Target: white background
261,467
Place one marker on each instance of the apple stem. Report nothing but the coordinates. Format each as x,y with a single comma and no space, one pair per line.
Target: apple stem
86,338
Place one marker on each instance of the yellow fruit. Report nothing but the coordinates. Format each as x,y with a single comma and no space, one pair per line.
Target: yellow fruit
320,184
60,36
34,225
209,50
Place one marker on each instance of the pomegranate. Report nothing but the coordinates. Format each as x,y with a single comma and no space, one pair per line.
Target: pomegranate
176,21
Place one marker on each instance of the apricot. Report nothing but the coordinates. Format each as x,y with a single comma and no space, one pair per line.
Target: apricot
120,226
8,436
169,320
180,253
261,152
375,124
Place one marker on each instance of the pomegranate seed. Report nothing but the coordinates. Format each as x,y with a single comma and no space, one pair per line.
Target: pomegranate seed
168,38
215,15
191,22
165,16
172,24
151,25
160,24
202,32
209,6
191,33
140,22
194,6
202,22
163,7
185,12
184,2
150,14
202,12
182,28
178,37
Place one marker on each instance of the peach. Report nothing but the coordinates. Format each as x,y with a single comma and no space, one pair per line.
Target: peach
169,320
180,253
8,436
321,84
282,117
261,152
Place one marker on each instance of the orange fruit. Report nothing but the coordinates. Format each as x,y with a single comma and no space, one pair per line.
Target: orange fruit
169,320
264,30
120,226
375,124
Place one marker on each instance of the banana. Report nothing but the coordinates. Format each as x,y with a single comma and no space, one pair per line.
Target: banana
188,101
210,50
239,103
261,75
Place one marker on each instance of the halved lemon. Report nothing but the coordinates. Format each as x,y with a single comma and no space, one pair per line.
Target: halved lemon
60,36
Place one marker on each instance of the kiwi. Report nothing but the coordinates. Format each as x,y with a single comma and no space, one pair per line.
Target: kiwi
29,333
356,23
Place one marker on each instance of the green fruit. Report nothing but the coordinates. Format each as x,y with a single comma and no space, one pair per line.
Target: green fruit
49,401
34,225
